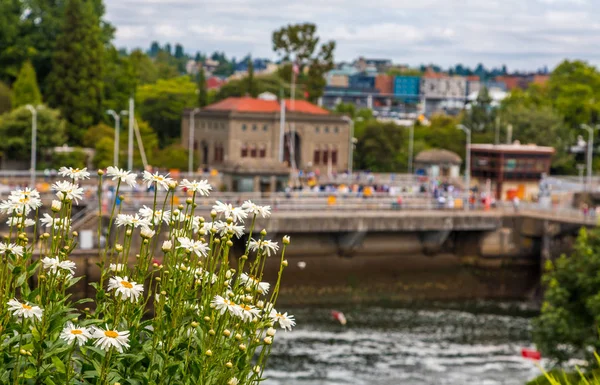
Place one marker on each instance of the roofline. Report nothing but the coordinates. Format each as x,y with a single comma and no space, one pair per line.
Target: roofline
295,116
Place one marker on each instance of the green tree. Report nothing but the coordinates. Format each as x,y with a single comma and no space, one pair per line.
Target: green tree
298,44
77,71
202,91
5,97
25,89
263,83
144,69
174,156
481,116
568,323
380,148
162,104
12,51
15,129
119,81
103,156
543,126
250,79
166,66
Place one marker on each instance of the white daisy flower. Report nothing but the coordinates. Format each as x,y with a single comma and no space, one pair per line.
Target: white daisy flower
253,208
117,268
127,289
74,334
160,180
21,202
67,190
224,227
247,312
125,176
24,310
266,246
69,266
251,282
237,213
146,232
202,186
167,245
13,221
285,321
155,216
131,220
11,248
200,248
224,305
74,173
106,339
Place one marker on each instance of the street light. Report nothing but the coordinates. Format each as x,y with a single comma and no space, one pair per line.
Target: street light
33,111
468,162
117,132
192,127
350,144
590,151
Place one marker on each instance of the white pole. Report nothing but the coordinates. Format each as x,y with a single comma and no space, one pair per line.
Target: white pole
411,139
281,129
116,145
130,141
590,153
350,145
467,165
192,128
33,144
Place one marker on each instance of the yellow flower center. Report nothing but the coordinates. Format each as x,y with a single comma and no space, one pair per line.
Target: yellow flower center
76,331
126,284
76,170
111,334
26,307
159,178
230,303
246,307
279,315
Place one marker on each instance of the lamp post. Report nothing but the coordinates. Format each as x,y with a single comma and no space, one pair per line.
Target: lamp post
192,127
117,133
350,145
33,111
411,141
468,162
590,153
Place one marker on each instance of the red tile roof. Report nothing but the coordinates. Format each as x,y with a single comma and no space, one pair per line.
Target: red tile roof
214,83
247,104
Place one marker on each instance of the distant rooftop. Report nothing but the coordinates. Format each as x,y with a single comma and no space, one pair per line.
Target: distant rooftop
514,147
248,104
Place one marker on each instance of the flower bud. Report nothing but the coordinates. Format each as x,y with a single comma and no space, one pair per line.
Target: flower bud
195,324
118,247
226,333
147,233
244,257
180,207
286,240
172,185
207,318
213,214
75,233
56,206
284,263
100,172
157,279
256,369
128,232
263,232
238,337
268,340
166,246
229,243
208,352
212,332
229,365
228,274
242,347
271,332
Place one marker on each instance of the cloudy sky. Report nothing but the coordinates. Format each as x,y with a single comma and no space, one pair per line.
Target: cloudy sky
523,34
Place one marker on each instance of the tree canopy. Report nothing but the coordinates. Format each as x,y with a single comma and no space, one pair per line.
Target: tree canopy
25,89
161,104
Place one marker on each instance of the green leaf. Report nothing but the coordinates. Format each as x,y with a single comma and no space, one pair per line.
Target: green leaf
60,366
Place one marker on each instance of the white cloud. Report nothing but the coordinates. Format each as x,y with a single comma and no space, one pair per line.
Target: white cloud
519,33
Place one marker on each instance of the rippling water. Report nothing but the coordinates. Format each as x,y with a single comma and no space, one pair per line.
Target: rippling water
381,346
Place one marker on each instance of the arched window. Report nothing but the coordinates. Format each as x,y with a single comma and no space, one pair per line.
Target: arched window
253,151
244,150
334,156
325,154
262,152
317,155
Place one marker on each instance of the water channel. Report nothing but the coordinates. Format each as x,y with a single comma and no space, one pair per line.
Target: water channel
389,346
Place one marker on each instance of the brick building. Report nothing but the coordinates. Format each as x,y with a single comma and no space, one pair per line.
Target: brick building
242,136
